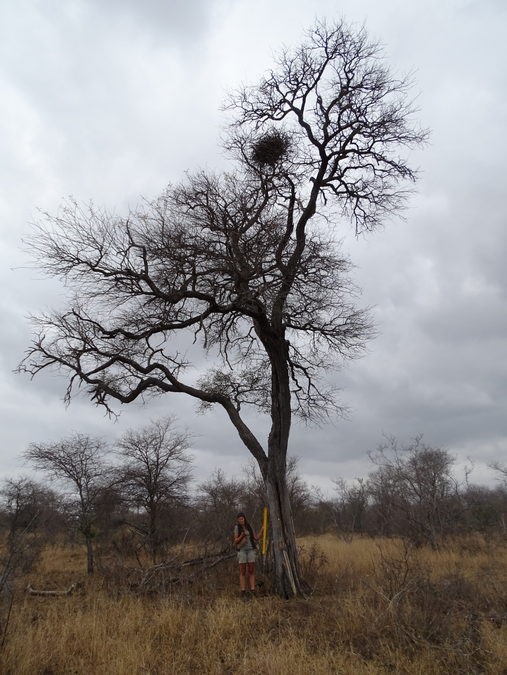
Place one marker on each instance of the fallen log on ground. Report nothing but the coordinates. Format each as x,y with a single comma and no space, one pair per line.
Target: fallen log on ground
205,563
163,575
33,591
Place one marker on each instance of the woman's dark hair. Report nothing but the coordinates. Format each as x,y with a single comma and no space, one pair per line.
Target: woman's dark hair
249,528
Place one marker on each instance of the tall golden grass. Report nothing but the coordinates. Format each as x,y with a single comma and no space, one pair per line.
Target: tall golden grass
377,607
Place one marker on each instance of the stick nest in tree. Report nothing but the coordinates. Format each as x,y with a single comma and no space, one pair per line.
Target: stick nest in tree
270,148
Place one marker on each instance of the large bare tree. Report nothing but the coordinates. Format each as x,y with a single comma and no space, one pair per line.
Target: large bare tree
243,264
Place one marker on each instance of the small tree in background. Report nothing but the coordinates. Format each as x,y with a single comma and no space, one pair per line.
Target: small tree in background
244,264
351,506
421,493
78,462
25,510
27,505
219,500
154,475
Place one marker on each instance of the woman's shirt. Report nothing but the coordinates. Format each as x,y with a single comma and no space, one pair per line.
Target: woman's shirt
248,545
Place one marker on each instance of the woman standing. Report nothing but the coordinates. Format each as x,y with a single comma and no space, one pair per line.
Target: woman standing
245,541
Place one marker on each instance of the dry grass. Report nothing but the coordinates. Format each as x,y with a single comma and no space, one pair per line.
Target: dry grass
377,607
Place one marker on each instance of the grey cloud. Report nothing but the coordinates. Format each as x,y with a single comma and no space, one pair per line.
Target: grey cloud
110,100
183,22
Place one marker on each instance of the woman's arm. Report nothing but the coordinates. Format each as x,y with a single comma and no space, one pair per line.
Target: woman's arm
258,535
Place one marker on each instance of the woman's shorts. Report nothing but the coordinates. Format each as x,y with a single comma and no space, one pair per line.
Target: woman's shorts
247,556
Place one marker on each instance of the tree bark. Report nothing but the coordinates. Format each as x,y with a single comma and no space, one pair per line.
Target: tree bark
286,573
89,555
286,570
153,532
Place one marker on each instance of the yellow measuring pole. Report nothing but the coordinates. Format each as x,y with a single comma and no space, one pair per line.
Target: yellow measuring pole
265,530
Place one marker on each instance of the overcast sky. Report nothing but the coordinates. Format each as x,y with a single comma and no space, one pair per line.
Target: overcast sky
112,100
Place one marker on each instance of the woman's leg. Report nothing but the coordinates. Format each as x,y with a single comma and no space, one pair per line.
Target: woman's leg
251,575
242,576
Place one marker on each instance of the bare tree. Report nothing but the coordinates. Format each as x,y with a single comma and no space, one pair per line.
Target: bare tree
78,461
501,469
502,514
155,473
23,505
219,501
244,264
417,482
351,506
28,505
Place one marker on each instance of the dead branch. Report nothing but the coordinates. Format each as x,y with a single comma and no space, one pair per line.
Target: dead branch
205,563
32,591
169,573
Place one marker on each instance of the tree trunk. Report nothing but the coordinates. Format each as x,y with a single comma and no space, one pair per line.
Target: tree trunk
287,575
153,533
89,555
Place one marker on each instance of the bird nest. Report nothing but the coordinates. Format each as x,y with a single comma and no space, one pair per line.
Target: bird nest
270,148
